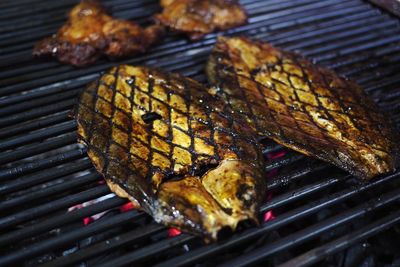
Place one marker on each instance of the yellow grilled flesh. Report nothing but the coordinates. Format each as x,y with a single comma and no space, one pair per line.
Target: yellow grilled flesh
304,107
163,141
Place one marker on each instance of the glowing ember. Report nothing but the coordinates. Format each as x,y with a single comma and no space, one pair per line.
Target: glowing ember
269,216
276,155
87,220
126,207
173,232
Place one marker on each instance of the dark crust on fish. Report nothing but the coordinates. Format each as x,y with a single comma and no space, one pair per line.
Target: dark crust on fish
196,18
304,106
191,165
91,32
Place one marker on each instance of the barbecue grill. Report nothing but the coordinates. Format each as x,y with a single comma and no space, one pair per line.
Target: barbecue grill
55,209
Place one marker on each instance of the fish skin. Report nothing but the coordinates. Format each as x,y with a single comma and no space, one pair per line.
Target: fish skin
150,133
303,106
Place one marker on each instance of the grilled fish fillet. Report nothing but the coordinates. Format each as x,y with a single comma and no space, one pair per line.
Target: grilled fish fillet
165,143
303,106
196,18
91,32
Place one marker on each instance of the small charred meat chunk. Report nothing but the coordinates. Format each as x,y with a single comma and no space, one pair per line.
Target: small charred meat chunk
91,32
303,106
196,18
165,143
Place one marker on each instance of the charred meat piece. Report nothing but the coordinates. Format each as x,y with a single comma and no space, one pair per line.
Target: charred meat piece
303,106
162,141
196,18
91,32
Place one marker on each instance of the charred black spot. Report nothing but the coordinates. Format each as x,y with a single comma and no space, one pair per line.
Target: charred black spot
201,170
197,171
130,81
245,224
379,159
227,211
224,233
173,176
255,71
150,117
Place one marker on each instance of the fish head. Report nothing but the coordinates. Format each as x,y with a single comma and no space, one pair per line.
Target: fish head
218,200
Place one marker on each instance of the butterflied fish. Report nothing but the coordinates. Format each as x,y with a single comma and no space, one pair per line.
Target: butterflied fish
165,143
303,106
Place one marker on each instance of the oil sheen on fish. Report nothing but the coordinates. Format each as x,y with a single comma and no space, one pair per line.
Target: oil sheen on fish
303,106
165,143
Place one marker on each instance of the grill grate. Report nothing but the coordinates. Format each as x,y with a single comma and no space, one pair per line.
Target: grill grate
43,171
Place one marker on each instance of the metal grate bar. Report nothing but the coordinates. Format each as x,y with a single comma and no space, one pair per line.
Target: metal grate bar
124,11
60,220
6,5
203,252
19,11
288,159
345,34
283,219
140,255
346,241
273,204
283,179
61,203
44,16
125,239
39,102
13,89
46,75
30,44
42,164
38,135
5,101
35,98
69,184
359,40
50,174
159,51
57,17
30,150
33,125
311,232
44,11
75,235
362,18
278,201
31,114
